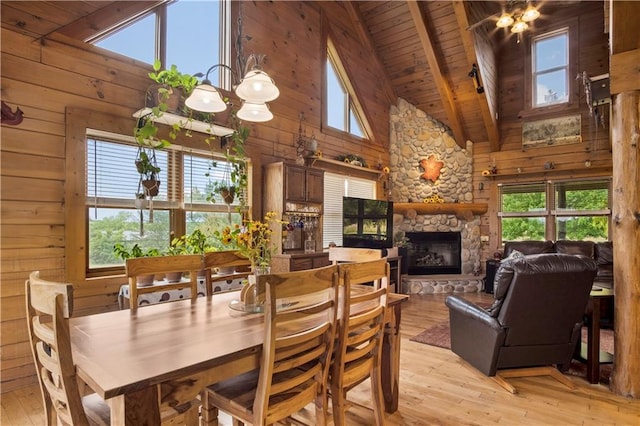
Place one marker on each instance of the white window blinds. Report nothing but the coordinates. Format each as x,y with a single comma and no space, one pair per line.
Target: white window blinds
335,187
112,174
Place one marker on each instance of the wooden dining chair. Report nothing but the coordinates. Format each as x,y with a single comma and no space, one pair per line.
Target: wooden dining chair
222,259
352,254
300,323
49,307
158,265
358,351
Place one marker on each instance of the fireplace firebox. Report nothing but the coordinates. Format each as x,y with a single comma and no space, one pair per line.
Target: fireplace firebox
432,253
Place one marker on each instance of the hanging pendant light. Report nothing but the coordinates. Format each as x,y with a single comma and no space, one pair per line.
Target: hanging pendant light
257,87
205,98
256,112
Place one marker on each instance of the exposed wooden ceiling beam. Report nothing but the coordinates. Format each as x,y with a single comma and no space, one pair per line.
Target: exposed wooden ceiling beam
436,72
107,17
487,101
365,38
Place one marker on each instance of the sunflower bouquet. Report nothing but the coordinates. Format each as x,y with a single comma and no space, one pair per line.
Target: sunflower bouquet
252,240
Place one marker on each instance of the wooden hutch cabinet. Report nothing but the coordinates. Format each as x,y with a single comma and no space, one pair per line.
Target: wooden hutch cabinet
295,193
303,184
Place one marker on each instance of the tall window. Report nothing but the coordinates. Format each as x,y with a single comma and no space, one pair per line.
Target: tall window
187,25
335,187
115,216
564,210
550,68
341,111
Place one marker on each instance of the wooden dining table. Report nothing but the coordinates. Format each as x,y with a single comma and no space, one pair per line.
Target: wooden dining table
171,351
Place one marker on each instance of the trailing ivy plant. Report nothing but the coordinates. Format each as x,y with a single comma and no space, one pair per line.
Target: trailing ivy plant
167,82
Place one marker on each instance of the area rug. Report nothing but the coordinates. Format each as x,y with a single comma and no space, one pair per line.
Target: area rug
439,335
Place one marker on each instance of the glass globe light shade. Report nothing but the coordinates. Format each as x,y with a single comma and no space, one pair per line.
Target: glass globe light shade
504,21
530,14
205,98
256,112
257,87
519,26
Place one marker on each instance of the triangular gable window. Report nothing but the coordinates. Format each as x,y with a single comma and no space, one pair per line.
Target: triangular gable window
342,107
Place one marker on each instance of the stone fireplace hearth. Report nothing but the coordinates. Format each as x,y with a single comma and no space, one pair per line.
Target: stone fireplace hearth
415,136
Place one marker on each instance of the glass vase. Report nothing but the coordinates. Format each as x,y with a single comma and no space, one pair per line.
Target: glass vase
253,296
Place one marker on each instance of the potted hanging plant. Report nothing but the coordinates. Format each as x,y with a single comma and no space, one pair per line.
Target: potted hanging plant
235,180
147,167
225,190
170,90
166,94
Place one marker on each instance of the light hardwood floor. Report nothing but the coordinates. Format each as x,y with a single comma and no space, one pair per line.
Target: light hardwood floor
438,388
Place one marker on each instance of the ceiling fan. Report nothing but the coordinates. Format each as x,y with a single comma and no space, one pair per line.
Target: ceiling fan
516,15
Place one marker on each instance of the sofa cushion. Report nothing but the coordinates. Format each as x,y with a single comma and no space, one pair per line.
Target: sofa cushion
585,248
604,253
604,260
528,247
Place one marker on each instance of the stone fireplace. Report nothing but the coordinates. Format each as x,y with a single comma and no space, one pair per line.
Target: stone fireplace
415,137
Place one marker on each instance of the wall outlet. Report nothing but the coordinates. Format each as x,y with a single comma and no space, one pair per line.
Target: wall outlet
484,238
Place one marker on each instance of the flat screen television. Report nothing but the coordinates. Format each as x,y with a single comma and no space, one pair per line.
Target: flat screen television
367,223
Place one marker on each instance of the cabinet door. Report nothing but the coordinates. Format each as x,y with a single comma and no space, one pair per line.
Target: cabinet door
295,183
300,264
315,186
321,261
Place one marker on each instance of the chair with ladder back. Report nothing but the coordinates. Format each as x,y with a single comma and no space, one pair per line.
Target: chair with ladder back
358,351
49,306
300,322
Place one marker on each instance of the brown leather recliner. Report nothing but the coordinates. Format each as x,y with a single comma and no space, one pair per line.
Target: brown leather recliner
536,317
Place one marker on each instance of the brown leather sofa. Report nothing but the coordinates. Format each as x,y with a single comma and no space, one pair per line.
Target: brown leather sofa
602,253
535,319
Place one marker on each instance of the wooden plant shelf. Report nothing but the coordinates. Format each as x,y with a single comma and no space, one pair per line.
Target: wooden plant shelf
197,126
461,210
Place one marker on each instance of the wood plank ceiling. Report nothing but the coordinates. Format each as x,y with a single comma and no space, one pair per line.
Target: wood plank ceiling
424,47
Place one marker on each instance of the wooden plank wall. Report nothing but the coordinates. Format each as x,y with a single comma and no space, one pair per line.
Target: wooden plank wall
569,160
46,77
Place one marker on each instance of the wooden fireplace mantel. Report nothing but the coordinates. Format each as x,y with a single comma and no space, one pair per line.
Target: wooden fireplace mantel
461,210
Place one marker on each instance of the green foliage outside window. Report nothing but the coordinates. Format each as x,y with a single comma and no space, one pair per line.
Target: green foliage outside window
523,202
117,226
579,197
586,199
523,228
587,228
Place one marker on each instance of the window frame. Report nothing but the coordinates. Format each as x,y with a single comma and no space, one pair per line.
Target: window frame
551,213
352,104
79,122
224,78
535,73
572,103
